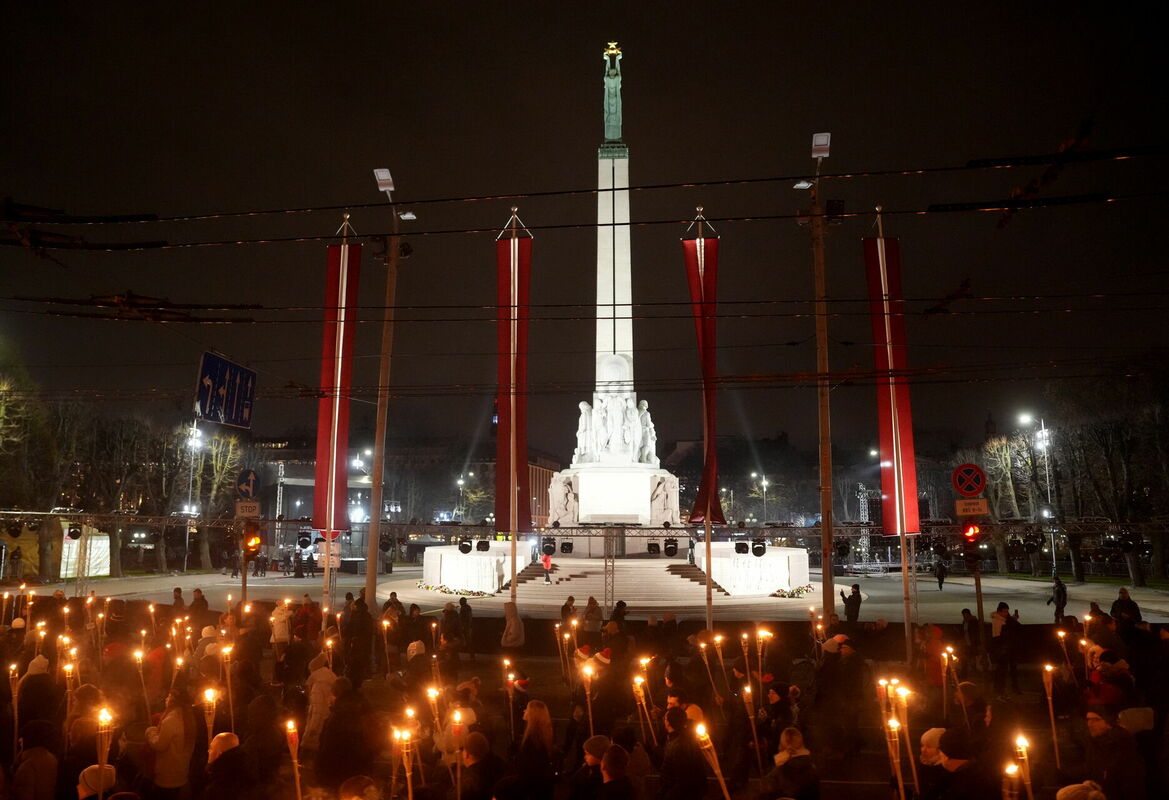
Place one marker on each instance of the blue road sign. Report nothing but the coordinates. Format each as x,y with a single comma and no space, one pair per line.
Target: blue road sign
246,484
225,393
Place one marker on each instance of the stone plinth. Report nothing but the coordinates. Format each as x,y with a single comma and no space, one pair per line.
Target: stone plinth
745,575
476,571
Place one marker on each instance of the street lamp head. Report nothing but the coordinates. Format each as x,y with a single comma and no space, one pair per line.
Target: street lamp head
821,143
874,453
754,474
385,181
1026,418
802,184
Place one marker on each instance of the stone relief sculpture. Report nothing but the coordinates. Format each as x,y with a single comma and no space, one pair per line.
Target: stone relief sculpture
562,503
648,454
584,433
663,502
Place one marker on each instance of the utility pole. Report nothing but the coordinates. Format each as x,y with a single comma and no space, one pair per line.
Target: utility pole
818,223
383,399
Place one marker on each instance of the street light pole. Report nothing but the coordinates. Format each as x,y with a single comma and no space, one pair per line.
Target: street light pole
193,444
818,226
386,184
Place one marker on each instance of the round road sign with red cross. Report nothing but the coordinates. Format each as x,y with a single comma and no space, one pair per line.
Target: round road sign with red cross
969,480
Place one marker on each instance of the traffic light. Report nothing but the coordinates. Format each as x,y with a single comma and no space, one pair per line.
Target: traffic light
252,540
970,536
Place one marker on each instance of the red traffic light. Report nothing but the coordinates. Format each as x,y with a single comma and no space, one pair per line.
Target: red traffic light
971,530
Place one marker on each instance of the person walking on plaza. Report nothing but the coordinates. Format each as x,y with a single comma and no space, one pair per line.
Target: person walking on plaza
852,603
940,572
546,563
1059,597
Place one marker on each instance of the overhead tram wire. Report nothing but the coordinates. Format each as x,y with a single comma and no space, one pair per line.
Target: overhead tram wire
972,165
493,309
802,382
998,205
921,374
1139,348
734,315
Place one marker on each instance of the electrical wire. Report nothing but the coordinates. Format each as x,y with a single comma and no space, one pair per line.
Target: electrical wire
980,164
56,243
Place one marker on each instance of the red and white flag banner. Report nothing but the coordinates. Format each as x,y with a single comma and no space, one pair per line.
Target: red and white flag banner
701,258
887,310
513,261
331,493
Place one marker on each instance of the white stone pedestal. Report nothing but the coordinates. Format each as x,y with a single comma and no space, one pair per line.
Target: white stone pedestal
617,494
745,575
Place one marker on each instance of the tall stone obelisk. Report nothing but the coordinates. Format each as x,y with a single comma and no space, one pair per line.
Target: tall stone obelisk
614,267
615,476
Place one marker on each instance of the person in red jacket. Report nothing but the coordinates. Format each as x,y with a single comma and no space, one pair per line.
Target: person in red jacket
546,563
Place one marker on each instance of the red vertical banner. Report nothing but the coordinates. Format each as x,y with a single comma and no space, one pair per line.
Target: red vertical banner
331,492
701,258
513,262
895,417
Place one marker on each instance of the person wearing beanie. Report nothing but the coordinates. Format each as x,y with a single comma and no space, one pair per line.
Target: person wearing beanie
586,782
1088,790
96,780
482,769
1113,759
37,695
684,767
639,765
931,775
965,778
614,770
228,771
207,637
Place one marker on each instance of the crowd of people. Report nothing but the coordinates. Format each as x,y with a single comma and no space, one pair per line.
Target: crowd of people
114,699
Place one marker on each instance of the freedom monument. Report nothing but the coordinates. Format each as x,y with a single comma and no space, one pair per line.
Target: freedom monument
615,477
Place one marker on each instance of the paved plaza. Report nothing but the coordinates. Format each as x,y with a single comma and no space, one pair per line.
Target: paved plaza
686,599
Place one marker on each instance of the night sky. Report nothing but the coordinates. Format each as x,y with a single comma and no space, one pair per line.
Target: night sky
120,108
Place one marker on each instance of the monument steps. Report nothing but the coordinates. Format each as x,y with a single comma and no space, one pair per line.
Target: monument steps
634,580
693,573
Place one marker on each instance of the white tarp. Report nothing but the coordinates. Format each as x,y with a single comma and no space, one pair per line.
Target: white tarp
97,547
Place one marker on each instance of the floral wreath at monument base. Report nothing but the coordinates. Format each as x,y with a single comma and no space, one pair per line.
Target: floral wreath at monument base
443,589
795,591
